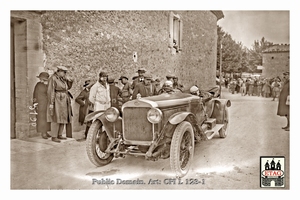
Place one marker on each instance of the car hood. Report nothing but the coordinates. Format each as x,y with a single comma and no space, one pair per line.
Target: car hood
162,100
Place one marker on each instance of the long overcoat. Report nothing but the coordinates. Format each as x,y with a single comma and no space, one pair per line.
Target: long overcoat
284,109
59,96
83,100
40,97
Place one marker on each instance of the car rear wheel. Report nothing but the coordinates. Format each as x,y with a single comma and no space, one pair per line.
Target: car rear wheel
224,130
182,149
96,144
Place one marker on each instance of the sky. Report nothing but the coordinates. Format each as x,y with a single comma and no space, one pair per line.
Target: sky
247,26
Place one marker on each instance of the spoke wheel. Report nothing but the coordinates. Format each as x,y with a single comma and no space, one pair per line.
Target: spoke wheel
182,149
96,144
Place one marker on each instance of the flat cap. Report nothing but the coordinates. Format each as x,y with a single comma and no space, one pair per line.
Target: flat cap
63,68
170,76
141,70
123,77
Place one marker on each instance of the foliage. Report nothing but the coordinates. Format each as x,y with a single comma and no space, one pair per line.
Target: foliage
255,54
236,57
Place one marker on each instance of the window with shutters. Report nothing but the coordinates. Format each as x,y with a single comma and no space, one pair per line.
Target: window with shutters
175,32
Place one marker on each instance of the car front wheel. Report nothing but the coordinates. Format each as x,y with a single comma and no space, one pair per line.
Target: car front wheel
96,143
182,149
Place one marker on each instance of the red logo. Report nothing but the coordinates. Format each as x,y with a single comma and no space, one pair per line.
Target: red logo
272,173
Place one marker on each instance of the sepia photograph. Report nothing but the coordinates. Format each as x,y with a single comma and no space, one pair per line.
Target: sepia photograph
125,98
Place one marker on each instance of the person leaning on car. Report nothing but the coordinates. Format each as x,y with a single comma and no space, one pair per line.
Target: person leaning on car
145,88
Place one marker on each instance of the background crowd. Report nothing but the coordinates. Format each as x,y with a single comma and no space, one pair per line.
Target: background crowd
274,88
255,86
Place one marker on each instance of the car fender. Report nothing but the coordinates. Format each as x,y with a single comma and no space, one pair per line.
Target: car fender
179,117
94,115
176,119
219,109
109,127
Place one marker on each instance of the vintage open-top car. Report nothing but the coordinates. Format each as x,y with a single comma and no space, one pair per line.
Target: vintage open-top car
162,126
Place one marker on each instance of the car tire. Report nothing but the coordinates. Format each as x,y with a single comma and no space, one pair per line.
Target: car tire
182,149
223,132
96,143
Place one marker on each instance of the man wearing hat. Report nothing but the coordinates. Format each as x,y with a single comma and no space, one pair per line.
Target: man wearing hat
59,100
284,103
126,91
139,78
145,88
177,85
100,93
40,97
170,77
167,88
85,105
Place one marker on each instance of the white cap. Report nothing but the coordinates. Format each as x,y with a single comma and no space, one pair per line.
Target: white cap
194,89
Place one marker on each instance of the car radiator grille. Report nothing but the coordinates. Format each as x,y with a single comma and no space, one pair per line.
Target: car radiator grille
136,126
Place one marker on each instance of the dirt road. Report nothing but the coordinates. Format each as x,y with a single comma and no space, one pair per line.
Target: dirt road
230,163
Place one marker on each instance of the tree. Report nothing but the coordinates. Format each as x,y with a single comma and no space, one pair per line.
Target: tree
234,55
255,54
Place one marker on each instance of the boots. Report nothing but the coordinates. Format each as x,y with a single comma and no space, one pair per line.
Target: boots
44,135
54,139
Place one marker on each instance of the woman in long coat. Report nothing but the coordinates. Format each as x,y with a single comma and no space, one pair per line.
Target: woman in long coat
283,107
40,97
85,105
59,100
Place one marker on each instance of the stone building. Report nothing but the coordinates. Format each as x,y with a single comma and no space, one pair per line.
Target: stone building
276,60
183,43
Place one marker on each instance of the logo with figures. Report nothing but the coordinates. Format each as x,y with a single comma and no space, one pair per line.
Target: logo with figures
272,171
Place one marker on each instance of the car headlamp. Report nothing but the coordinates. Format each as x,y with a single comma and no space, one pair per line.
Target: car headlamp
112,114
154,115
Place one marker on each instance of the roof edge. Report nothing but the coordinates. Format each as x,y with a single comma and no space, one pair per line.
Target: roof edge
218,13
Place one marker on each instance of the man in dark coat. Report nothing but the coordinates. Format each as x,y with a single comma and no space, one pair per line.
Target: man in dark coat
85,105
40,97
115,93
283,108
126,91
59,101
145,88
139,78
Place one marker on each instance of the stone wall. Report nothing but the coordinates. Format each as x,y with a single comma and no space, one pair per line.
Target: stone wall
90,41
275,63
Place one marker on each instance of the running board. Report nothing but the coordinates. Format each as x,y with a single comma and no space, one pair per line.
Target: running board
209,134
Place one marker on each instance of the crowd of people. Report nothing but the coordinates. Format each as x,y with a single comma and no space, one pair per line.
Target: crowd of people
255,86
274,88
54,99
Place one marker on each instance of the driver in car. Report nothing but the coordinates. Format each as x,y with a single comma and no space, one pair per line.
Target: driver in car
206,96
